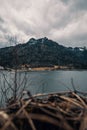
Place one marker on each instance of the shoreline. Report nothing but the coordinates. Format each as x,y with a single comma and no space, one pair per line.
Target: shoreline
41,69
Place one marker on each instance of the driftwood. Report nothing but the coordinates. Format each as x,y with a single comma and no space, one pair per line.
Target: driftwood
54,111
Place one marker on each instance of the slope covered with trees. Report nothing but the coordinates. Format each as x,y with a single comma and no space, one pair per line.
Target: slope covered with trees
43,52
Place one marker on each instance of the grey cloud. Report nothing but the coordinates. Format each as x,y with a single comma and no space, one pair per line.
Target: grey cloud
81,4
1,20
23,26
61,20
65,1
3,44
3,29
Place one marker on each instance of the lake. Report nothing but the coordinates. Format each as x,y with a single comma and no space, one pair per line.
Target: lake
55,81
46,81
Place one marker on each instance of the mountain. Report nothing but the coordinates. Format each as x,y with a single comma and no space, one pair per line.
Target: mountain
43,52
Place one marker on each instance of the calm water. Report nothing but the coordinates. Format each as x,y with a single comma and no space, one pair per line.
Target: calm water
46,81
53,81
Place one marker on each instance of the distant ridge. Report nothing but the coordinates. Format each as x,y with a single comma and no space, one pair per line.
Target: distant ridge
43,52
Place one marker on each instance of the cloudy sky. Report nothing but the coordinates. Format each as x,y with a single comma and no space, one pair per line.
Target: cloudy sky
64,21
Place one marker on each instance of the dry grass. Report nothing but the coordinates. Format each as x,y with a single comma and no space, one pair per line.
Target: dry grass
55,111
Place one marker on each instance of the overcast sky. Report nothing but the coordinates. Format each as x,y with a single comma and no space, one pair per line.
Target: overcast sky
64,21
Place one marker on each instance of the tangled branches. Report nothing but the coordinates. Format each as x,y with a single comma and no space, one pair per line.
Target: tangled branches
64,111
